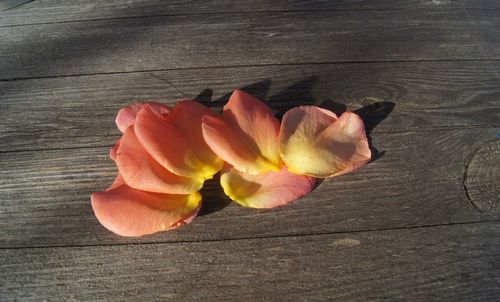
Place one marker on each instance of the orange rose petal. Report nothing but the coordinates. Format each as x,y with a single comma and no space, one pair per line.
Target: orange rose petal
245,135
112,152
117,182
140,171
314,142
266,190
130,212
126,116
176,141
188,219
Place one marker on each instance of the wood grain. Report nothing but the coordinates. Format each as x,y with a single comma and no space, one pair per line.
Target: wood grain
172,42
482,179
446,263
71,112
63,11
44,195
419,223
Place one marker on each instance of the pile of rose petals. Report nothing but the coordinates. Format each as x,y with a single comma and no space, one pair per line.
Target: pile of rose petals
166,154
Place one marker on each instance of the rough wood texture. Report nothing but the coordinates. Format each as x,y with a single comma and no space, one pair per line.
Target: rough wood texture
482,179
446,263
72,112
64,11
417,181
153,43
419,223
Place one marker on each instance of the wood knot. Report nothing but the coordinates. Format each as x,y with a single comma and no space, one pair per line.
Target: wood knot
482,178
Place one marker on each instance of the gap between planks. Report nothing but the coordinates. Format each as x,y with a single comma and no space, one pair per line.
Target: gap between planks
236,12
305,235
159,9
242,66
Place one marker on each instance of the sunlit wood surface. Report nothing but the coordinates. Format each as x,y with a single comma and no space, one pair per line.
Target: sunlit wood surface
418,223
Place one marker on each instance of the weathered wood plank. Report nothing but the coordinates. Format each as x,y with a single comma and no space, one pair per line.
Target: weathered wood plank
447,263
246,39
63,11
79,111
419,180
437,147
482,181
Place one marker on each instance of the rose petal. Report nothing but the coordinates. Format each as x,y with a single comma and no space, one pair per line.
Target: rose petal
112,152
266,190
130,212
245,135
140,171
117,182
188,219
176,141
126,116
314,142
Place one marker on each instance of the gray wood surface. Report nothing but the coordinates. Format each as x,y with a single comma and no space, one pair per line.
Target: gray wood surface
421,222
152,43
417,181
451,263
482,178
77,10
70,112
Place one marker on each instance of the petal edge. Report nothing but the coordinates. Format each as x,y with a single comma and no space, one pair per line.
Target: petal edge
245,135
129,212
176,141
266,190
315,143
126,116
140,171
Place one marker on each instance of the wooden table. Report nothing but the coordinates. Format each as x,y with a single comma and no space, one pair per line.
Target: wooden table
419,223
